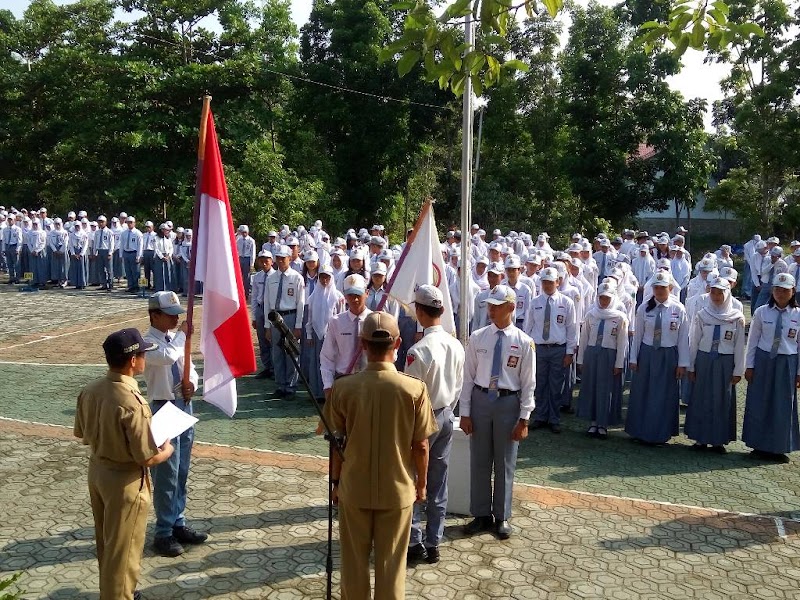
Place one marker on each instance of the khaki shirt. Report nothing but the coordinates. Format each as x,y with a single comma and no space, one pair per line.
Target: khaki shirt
113,418
381,412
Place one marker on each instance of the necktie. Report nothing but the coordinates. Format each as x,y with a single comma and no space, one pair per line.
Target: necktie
373,301
130,241
796,271
776,338
280,292
715,342
600,329
657,328
356,345
497,363
546,324
603,266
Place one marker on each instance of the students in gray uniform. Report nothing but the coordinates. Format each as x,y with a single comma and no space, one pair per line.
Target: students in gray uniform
12,247
130,241
437,359
496,402
103,252
554,329
257,286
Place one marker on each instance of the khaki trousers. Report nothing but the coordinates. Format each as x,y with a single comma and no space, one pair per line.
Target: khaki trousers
388,531
120,503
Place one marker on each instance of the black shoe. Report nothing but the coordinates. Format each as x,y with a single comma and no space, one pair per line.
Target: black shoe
479,524
719,450
538,424
416,553
592,431
289,395
567,410
263,374
503,530
137,595
555,428
279,393
602,433
187,535
167,546
433,555
699,447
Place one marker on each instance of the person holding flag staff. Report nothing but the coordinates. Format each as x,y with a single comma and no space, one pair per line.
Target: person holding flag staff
438,360
716,365
770,413
164,376
659,357
495,405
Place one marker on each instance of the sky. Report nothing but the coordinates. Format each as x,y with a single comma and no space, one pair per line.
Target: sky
696,80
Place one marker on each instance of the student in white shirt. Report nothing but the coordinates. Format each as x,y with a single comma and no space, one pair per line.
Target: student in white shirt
323,304
770,414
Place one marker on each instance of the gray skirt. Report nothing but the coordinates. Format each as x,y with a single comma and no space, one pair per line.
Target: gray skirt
770,411
711,414
600,398
653,407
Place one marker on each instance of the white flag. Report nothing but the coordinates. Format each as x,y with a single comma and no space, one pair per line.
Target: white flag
422,263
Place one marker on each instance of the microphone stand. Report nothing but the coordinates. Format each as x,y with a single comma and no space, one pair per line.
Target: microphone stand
291,346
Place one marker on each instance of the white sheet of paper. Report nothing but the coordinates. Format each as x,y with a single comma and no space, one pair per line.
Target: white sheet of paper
169,422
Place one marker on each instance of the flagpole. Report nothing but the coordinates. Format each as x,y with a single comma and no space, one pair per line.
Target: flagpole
201,155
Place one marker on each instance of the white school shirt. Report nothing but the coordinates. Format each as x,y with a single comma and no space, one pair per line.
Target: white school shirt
131,240
293,294
116,232
438,359
164,248
57,240
674,329
643,267
374,297
103,240
770,269
518,366
615,336
149,240
762,331
78,242
731,341
158,370
37,241
480,312
247,249
12,236
756,261
258,282
339,346
523,307
563,324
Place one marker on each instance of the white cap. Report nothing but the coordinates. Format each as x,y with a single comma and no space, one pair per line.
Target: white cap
244,229
326,269
180,230
605,243
130,220
729,273
166,302
354,284
773,240
720,283
549,274
163,226
101,218
783,280
379,269
429,295
661,279
283,251
496,268
607,289
148,223
776,251
512,262
265,254
502,294
310,255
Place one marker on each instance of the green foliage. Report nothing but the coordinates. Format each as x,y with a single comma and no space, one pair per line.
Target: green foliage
6,583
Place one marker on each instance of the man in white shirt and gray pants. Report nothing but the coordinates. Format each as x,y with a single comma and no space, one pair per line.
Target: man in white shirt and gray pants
164,376
438,360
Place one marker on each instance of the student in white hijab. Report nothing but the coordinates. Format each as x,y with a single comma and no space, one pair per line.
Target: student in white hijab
323,303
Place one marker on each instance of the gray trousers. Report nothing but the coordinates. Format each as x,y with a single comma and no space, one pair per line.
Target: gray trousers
105,268
438,461
131,270
285,373
551,376
264,347
491,447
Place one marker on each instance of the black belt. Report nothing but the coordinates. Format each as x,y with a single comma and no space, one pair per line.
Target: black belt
286,312
500,392
550,345
128,251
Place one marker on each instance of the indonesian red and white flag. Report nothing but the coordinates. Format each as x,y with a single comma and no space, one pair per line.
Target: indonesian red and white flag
423,263
225,332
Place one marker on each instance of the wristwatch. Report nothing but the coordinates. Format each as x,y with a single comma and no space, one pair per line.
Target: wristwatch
524,422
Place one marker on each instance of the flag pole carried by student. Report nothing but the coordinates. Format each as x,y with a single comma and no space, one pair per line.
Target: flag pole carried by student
214,261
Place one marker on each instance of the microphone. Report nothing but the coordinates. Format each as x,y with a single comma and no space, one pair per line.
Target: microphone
277,321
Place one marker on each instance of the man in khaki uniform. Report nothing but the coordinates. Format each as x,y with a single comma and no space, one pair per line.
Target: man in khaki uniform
113,419
386,419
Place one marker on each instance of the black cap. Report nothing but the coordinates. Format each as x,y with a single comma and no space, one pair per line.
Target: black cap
126,342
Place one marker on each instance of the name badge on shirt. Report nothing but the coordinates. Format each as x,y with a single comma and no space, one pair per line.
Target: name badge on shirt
513,361
560,319
673,326
613,332
728,336
792,333
290,292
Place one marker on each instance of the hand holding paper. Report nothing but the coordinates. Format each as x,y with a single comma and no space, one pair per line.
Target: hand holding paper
169,422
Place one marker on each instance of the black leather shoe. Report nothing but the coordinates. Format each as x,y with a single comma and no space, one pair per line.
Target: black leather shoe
538,424
167,546
433,555
416,553
263,374
187,535
555,428
478,524
567,410
503,530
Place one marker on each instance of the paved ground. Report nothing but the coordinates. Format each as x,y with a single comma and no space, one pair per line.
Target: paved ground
268,540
